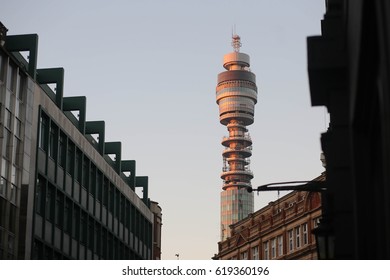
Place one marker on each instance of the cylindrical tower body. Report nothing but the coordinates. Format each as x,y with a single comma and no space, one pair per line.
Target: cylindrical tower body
236,96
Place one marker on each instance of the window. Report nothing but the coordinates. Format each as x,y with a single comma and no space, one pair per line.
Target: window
280,245
11,77
12,219
290,240
11,243
105,191
244,256
128,213
21,87
298,237
70,158
59,210
122,211
305,235
7,144
4,168
39,196
12,194
265,251
50,201
62,150
85,172
7,118
3,215
43,132
53,141
90,234
17,110
117,203
96,240
76,223
16,152
67,215
83,227
255,253
1,69
273,248
92,180
77,169
99,186
14,178
3,186
111,199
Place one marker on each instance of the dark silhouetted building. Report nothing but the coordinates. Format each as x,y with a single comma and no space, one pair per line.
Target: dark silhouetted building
349,73
65,193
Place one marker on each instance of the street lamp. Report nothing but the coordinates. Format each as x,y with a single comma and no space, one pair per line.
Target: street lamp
324,240
323,232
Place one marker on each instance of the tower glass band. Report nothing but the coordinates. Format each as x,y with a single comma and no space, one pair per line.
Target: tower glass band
236,96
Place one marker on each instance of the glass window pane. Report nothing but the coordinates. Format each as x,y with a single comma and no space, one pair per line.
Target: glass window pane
4,168
3,186
11,77
7,118
12,194
2,68
8,99
6,144
21,87
17,127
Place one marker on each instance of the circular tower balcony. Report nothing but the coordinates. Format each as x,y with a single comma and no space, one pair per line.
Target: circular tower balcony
232,184
243,161
244,140
242,152
239,175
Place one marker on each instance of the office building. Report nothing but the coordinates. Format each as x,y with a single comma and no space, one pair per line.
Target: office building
65,193
236,96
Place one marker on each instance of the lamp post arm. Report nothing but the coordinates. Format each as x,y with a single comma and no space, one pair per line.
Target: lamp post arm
310,186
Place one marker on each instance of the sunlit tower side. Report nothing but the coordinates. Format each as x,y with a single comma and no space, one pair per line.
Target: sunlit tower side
236,95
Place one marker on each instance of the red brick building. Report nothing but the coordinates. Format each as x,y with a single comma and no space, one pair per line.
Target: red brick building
280,230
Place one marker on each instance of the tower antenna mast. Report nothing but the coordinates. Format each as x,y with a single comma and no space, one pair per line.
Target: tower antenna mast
236,42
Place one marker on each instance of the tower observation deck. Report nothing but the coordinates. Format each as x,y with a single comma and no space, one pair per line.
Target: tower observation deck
236,96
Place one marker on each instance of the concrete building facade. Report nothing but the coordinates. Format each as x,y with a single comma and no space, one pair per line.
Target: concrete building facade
65,193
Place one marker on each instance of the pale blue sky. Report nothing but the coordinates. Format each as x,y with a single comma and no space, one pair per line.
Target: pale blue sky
149,69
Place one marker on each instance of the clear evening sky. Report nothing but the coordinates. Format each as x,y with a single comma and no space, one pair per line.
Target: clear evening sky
149,69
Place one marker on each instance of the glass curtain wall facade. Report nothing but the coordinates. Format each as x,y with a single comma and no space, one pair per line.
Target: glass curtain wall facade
79,212
12,99
61,195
